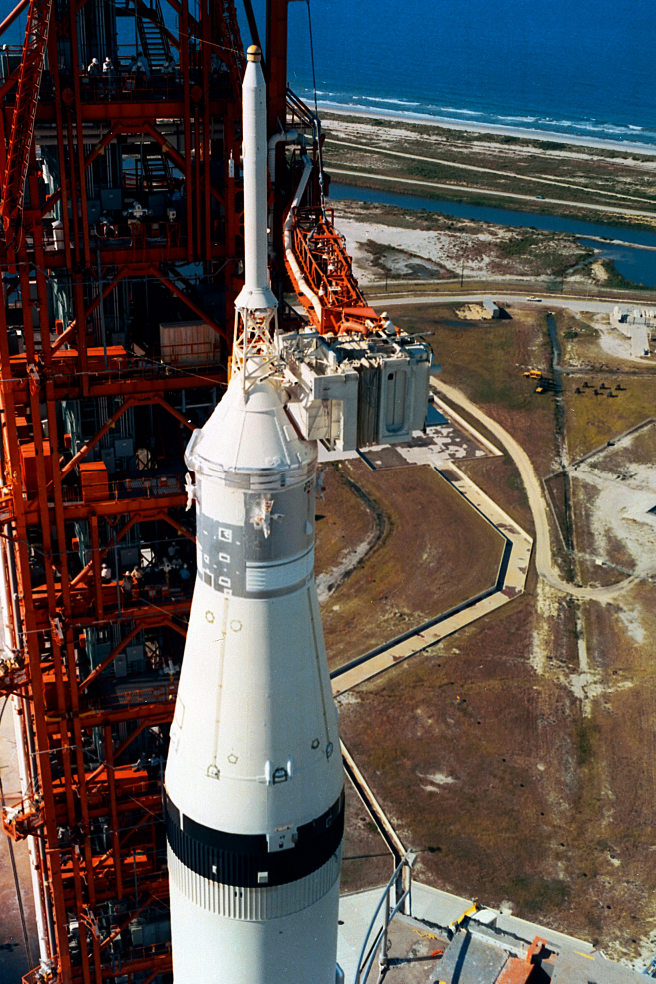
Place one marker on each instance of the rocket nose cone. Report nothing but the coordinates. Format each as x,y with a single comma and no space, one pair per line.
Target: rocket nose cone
253,434
254,53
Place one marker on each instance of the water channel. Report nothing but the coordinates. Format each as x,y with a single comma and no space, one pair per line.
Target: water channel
637,265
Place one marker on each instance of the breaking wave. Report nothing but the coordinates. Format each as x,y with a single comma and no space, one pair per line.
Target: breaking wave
546,126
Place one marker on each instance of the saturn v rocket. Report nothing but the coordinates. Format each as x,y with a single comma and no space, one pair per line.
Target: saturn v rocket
254,782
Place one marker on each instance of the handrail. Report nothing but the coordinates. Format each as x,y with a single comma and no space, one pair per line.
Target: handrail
407,860
382,933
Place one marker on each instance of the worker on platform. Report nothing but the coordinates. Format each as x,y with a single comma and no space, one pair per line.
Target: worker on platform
165,567
137,578
107,229
126,585
93,73
108,77
139,64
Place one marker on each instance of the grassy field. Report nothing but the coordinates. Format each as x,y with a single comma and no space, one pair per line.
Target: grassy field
436,552
484,755
448,137
487,362
515,793
594,420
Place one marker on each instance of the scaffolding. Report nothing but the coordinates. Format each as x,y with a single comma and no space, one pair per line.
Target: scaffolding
120,260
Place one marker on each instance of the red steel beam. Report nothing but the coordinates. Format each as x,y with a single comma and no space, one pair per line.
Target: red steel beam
22,125
107,426
67,335
108,660
10,18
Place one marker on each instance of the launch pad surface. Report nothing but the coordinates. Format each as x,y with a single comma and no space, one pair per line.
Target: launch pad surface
490,947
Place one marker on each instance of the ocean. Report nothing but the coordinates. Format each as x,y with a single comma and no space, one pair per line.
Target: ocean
580,68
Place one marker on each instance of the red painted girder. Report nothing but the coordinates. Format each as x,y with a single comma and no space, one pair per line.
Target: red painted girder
92,715
202,377
22,127
10,18
83,620
119,507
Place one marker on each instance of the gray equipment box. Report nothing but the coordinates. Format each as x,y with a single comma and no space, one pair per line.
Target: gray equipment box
111,198
124,447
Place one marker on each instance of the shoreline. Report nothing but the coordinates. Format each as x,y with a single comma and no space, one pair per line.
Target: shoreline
594,143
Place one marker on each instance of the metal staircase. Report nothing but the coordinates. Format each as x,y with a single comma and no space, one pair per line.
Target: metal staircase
156,172
232,52
149,173
154,42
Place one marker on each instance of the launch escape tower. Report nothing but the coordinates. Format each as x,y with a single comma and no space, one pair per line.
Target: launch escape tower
121,256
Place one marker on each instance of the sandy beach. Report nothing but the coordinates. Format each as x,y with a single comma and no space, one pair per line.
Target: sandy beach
386,242
620,146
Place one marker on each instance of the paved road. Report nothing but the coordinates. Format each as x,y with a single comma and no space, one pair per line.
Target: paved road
471,190
547,302
491,170
543,557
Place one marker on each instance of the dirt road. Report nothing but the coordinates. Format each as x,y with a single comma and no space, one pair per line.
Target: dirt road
543,557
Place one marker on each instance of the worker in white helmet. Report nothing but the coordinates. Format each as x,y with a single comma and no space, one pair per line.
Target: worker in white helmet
94,67
108,77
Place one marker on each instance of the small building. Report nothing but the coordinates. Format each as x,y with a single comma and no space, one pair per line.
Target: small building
636,325
491,309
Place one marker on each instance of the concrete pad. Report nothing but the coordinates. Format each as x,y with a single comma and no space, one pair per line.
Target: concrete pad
470,961
574,967
355,915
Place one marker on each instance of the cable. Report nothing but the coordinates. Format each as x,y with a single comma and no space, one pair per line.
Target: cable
316,117
314,77
122,373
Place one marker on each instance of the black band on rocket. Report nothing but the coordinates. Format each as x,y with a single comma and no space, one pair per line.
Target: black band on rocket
241,859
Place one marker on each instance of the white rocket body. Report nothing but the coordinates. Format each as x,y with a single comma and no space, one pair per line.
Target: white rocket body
254,781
